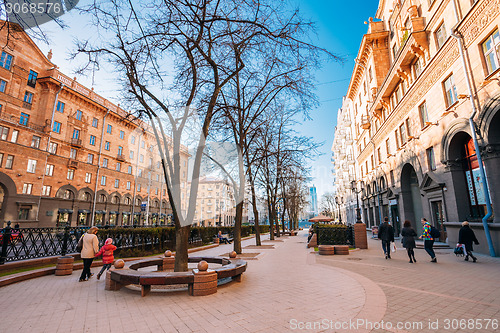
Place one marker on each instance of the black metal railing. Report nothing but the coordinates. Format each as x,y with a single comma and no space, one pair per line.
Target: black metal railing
335,235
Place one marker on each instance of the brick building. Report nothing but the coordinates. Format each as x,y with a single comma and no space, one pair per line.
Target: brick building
407,113
68,155
215,204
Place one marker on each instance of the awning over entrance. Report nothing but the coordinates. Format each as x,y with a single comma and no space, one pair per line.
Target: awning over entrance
64,210
126,213
100,212
84,211
114,212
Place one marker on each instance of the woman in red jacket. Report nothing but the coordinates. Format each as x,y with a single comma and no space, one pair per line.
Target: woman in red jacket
107,256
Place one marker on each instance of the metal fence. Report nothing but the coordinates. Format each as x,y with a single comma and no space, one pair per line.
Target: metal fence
29,243
335,235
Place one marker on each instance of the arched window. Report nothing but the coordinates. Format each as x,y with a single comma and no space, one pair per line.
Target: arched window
382,183
116,199
68,195
138,202
476,195
128,201
102,198
87,196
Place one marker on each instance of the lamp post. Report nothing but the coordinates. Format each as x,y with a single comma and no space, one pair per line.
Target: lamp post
354,189
338,201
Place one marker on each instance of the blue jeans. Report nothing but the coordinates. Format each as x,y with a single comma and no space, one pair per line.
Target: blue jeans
104,267
386,246
428,244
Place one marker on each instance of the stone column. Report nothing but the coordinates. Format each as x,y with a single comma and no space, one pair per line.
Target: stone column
205,280
491,159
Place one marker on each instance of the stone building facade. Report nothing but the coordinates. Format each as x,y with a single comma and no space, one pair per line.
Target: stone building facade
423,69
67,155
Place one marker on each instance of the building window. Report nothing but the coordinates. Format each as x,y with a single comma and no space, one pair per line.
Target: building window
424,115
120,150
6,60
394,51
27,188
143,144
491,51
76,133
24,213
92,140
117,183
95,122
60,106
35,141
141,158
450,91
379,155
53,148
431,162
140,173
46,190
28,97
88,177
105,163
118,166
122,135
417,68
9,162
78,115
128,185
138,187
71,174
49,170
392,177
132,139
32,78
56,127
129,170
402,134
4,132
408,129
106,145
396,136
103,180
3,85
24,118
90,158
31,166
440,35
109,129
131,154
14,135
72,153
102,197
1,159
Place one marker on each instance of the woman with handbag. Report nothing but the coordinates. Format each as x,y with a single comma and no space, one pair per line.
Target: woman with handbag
89,249
408,240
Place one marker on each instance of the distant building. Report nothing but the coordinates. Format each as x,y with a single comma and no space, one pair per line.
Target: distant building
313,201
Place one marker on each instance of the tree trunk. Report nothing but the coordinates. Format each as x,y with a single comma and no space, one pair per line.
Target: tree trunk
237,228
181,247
256,217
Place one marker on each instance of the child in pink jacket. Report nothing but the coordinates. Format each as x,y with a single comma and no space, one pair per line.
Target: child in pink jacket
107,256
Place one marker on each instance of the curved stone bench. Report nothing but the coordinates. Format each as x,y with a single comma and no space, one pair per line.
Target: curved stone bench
199,282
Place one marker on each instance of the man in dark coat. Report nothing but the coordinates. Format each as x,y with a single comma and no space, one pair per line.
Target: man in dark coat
466,236
386,235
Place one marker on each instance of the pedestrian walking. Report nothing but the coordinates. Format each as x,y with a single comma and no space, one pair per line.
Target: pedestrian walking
107,256
386,235
428,239
409,235
466,236
89,249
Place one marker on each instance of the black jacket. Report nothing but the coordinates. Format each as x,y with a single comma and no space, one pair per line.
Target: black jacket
386,232
408,237
466,236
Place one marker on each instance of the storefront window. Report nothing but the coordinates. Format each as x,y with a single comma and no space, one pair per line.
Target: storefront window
473,179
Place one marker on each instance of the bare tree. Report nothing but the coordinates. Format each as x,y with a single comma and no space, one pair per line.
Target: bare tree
175,57
327,204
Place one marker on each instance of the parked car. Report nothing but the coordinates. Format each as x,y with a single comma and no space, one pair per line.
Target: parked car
14,236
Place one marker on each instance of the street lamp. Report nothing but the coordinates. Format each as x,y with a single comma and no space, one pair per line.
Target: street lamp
338,201
354,189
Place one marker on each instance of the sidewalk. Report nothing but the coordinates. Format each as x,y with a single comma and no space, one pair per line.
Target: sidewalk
286,288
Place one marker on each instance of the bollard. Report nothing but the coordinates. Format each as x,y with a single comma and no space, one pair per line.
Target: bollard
7,231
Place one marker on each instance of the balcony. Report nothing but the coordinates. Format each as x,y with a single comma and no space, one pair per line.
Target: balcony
15,121
365,122
73,164
76,143
120,157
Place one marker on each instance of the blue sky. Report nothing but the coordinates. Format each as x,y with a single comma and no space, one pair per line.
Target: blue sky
340,27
